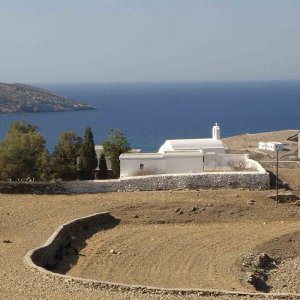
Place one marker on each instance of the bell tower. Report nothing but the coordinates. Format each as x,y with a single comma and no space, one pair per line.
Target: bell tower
216,133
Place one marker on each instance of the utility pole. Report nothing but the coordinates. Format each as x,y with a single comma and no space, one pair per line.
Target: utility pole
273,146
277,176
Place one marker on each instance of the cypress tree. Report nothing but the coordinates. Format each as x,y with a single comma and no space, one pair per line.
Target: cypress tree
103,167
88,157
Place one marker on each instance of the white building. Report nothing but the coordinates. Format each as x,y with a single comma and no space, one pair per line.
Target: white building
184,156
271,146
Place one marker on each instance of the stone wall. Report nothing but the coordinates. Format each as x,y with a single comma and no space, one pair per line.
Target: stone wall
281,164
213,180
31,187
67,236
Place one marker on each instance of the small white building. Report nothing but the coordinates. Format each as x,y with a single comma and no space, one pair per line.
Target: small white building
183,156
271,146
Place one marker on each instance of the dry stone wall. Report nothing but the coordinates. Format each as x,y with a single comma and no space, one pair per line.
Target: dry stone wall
248,180
281,164
65,237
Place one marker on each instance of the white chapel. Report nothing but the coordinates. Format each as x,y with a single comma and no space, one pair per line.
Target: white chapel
181,157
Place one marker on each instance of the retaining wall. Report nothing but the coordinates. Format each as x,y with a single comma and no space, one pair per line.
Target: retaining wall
79,229
213,180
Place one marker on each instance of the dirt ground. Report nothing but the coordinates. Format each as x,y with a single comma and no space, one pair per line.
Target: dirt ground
195,242
201,239
200,245
248,143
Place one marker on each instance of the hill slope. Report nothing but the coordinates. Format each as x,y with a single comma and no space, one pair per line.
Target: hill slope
15,98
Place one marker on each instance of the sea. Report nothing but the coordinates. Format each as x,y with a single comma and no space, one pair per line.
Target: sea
150,113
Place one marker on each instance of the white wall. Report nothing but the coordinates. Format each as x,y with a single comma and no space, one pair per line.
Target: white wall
184,164
213,162
255,165
158,163
130,165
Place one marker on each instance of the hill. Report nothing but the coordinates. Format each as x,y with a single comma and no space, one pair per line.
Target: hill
16,98
248,143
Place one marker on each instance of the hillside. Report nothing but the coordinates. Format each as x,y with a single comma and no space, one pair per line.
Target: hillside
248,143
16,98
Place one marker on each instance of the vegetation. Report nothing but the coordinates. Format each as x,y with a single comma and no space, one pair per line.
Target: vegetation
64,161
114,146
103,172
23,154
88,158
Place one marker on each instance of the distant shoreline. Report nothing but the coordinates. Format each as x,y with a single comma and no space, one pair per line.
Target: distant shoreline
21,98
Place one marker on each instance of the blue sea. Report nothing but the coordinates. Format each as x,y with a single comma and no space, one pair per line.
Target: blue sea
149,113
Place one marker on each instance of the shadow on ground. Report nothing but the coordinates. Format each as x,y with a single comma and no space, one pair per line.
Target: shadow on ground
68,253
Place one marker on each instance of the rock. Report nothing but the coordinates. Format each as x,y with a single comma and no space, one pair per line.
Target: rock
195,208
177,209
136,216
7,241
112,251
286,196
251,202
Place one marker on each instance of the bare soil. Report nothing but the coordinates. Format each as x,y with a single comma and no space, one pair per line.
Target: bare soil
248,143
183,239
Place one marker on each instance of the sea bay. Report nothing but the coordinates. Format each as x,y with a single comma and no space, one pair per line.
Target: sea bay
149,113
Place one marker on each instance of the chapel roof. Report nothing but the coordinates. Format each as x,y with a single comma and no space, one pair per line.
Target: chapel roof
190,144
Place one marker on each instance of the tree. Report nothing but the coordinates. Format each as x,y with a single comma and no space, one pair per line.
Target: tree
21,152
64,162
45,165
88,157
114,146
102,167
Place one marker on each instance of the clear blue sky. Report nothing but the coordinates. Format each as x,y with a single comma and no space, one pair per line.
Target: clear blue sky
149,40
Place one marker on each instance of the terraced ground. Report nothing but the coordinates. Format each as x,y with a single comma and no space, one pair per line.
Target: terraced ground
179,238
177,256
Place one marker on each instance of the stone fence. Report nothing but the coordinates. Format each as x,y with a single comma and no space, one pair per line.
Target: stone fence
207,180
68,237
290,164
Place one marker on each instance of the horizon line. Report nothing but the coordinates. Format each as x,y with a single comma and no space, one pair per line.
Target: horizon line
160,81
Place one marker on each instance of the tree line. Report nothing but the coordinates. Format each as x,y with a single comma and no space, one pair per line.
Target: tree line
24,156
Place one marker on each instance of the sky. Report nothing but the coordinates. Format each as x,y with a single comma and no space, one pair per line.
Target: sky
149,40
